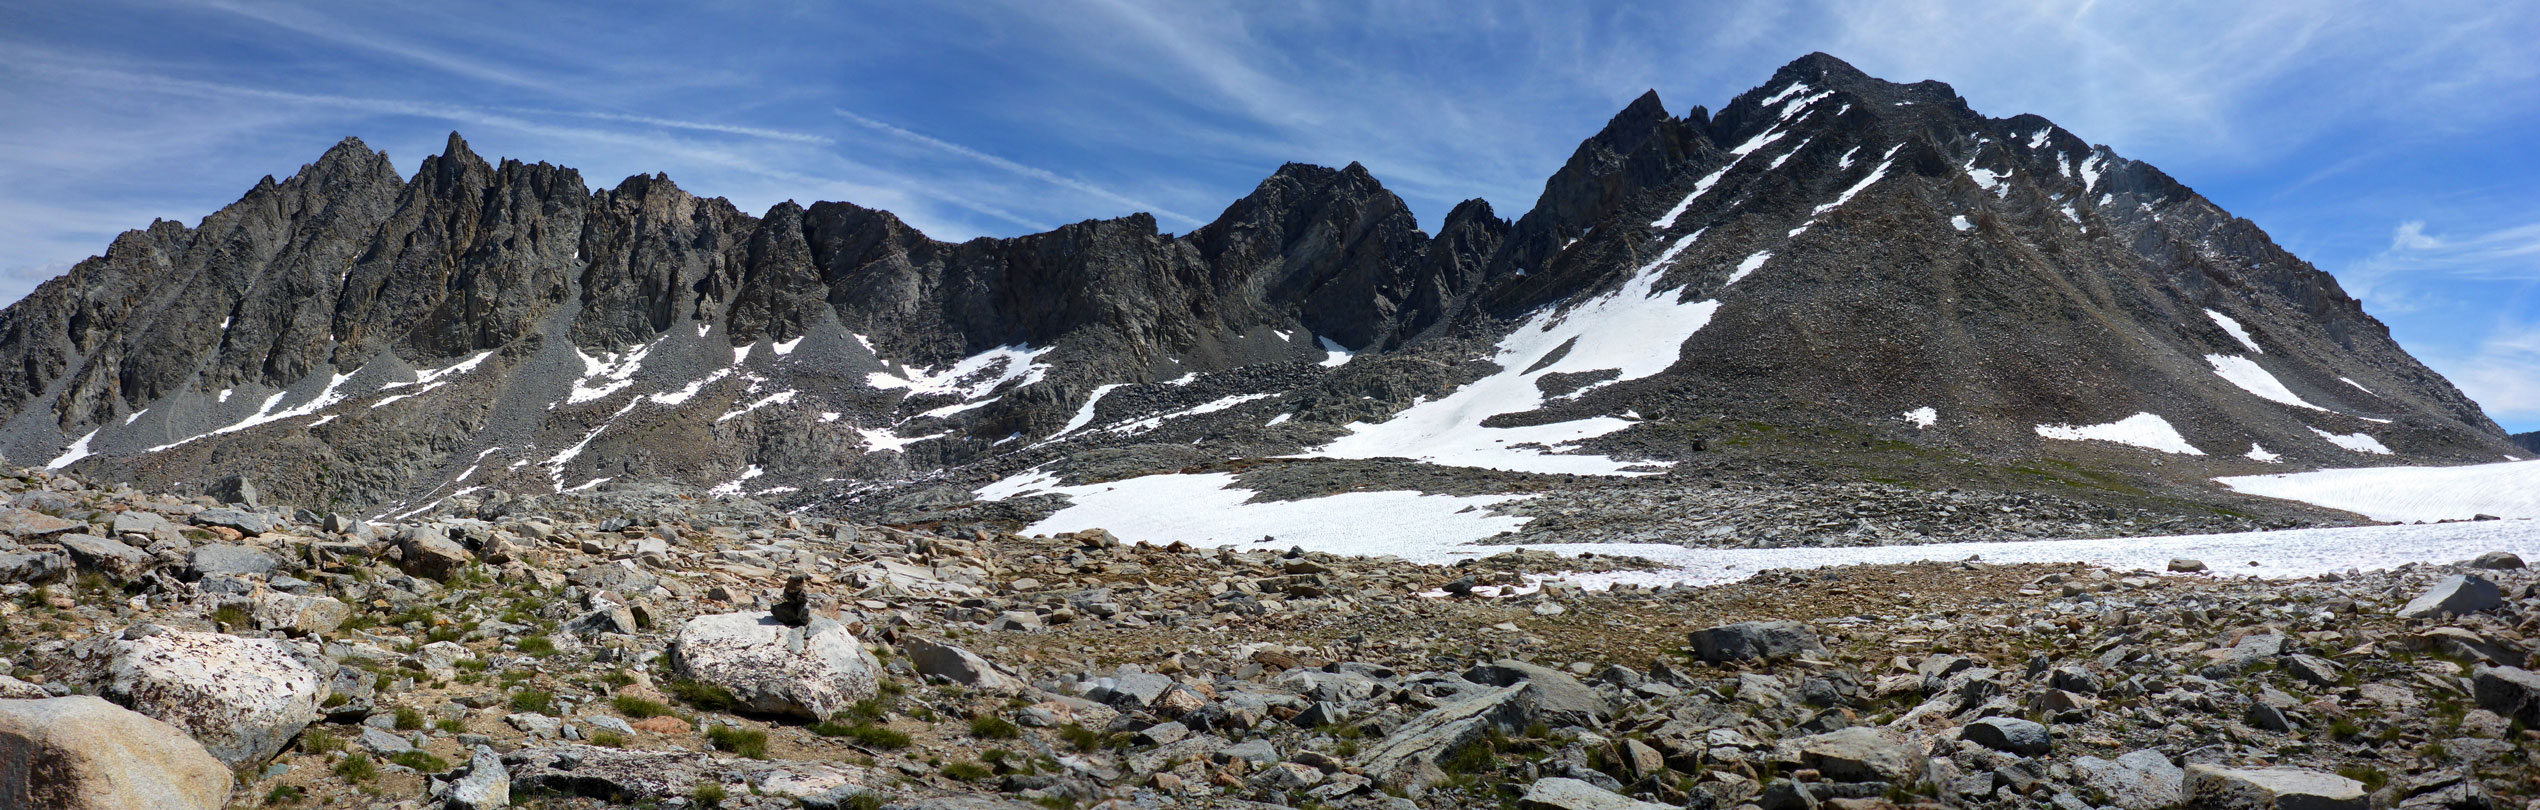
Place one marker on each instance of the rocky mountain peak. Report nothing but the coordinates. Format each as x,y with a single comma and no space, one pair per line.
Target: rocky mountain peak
1831,255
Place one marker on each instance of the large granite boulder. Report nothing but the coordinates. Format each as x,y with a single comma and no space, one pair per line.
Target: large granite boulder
1755,641
2212,787
83,753
242,698
811,672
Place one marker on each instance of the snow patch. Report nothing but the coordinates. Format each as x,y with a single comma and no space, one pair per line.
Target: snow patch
1210,510
2258,452
2358,386
2240,334
732,488
1157,421
1704,185
2140,430
607,374
1334,356
1275,421
2358,442
1960,222
1750,265
973,377
2251,377
876,441
1085,413
1636,330
778,398
1923,417
78,450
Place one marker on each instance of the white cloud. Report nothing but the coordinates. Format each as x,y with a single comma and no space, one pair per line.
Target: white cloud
2503,373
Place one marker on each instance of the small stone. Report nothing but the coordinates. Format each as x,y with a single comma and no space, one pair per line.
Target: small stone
2010,734
2186,566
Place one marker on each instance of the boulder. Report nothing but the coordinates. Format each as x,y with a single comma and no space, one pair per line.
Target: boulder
2458,594
83,753
2142,780
487,784
2497,561
248,523
1857,754
105,554
811,672
1408,758
2186,566
2511,692
429,552
959,666
28,524
2011,734
1751,641
147,524
300,615
236,489
34,568
1562,793
208,560
1551,696
242,698
2212,787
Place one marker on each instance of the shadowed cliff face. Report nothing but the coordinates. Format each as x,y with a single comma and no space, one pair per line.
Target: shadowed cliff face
1854,250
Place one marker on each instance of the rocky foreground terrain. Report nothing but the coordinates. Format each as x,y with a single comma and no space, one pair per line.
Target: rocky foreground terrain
641,646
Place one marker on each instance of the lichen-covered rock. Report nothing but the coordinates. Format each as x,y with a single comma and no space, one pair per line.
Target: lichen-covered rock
487,784
811,672
2211,787
83,753
242,698
2142,780
301,615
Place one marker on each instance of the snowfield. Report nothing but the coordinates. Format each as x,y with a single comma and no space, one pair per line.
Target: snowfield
1210,511
2510,490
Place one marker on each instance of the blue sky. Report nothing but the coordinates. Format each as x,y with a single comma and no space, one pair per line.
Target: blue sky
2391,147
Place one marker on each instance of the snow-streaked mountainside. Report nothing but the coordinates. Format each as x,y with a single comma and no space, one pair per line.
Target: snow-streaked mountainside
1832,279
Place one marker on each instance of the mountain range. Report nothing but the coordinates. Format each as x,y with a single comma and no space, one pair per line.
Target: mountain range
1832,278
